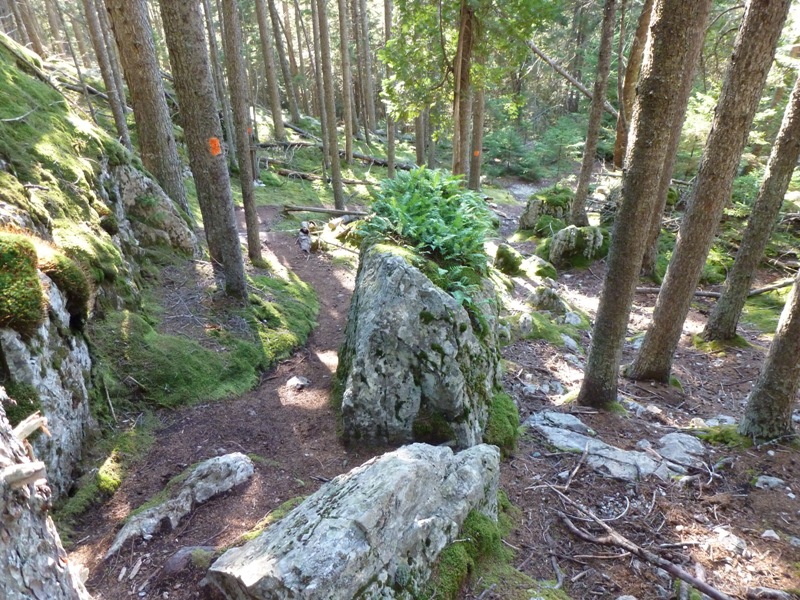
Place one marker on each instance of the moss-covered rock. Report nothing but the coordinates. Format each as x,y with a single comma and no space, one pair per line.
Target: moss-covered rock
548,225
69,276
507,259
502,427
21,297
577,246
553,201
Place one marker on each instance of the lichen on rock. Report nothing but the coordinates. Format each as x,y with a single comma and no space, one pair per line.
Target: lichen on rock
572,241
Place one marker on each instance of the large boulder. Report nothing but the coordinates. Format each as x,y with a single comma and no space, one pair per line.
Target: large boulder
50,371
572,241
33,563
412,365
371,533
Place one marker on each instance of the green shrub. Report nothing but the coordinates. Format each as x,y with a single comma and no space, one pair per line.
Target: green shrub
21,298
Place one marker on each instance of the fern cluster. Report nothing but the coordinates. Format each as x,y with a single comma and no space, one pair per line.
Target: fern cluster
431,213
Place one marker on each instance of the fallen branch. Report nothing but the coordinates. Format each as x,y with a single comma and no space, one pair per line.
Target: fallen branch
302,132
703,294
374,160
20,475
19,118
30,424
325,211
577,84
614,538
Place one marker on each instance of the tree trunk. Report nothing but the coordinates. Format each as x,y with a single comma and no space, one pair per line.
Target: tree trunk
31,29
300,28
576,65
157,146
7,24
273,93
291,96
676,23
183,30
80,39
219,85
430,146
768,414
240,101
390,152
330,105
461,93
578,213
75,61
753,53
287,35
320,88
34,562
419,138
347,80
476,156
56,33
113,54
99,44
367,83
785,152
628,95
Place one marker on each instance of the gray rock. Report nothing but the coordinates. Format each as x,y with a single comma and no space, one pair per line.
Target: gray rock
181,559
766,482
535,208
372,533
575,241
410,356
573,319
730,541
56,362
794,541
682,449
626,597
297,383
546,298
570,344
720,420
556,389
559,420
762,593
573,360
770,534
209,478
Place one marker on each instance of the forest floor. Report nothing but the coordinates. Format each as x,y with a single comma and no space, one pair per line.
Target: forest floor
291,435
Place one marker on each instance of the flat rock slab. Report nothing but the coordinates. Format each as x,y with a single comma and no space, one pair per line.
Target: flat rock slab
676,452
209,478
368,534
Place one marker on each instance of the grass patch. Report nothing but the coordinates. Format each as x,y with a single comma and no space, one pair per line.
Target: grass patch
764,311
724,435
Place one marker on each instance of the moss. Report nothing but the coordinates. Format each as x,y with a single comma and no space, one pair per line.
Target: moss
70,278
502,426
26,398
21,296
764,311
269,519
426,317
724,435
201,558
547,225
719,346
507,260
555,196
675,382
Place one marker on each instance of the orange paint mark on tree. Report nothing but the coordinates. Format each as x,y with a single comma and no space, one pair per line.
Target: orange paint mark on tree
476,153
214,146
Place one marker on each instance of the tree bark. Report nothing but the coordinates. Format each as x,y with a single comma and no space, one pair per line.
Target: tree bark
768,413
100,51
31,28
476,156
183,30
19,24
461,93
80,39
7,24
578,214
219,85
34,562
113,54
320,88
273,92
56,33
157,145
628,95
783,158
753,53
367,83
419,138
330,105
240,101
676,23
300,28
347,80
390,151
572,102
291,95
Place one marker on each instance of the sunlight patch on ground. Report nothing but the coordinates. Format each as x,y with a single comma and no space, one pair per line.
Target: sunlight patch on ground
329,358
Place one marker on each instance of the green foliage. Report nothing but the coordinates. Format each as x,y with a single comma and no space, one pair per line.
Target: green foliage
506,154
21,297
724,435
764,311
555,196
502,426
26,398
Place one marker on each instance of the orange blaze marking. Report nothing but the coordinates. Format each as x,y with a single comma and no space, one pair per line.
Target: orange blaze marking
214,146
476,153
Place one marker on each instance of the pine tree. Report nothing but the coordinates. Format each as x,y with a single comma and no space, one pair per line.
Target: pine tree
185,38
273,92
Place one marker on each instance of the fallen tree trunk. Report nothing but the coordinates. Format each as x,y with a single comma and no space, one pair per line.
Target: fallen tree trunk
302,132
315,177
577,84
375,160
325,211
703,294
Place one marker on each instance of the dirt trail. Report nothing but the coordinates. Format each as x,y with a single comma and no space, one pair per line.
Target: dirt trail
294,434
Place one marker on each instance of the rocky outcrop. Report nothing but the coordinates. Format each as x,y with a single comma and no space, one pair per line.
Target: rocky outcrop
33,564
412,365
539,206
206,480
54,366
153,216
371,533
572,241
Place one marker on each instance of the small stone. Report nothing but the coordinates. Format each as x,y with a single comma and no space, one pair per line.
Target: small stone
794,541
770,452
644,445
766,482
539,455
769,534
529,389
557,388
572,318
564,475
298,383
570,344
791,496
700,518
626,597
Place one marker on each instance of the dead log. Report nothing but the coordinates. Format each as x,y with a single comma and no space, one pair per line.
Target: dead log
302,132
703,294
315,177
304,238
325,211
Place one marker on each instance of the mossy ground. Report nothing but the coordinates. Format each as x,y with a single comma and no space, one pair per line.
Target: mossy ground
21,296
502,426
